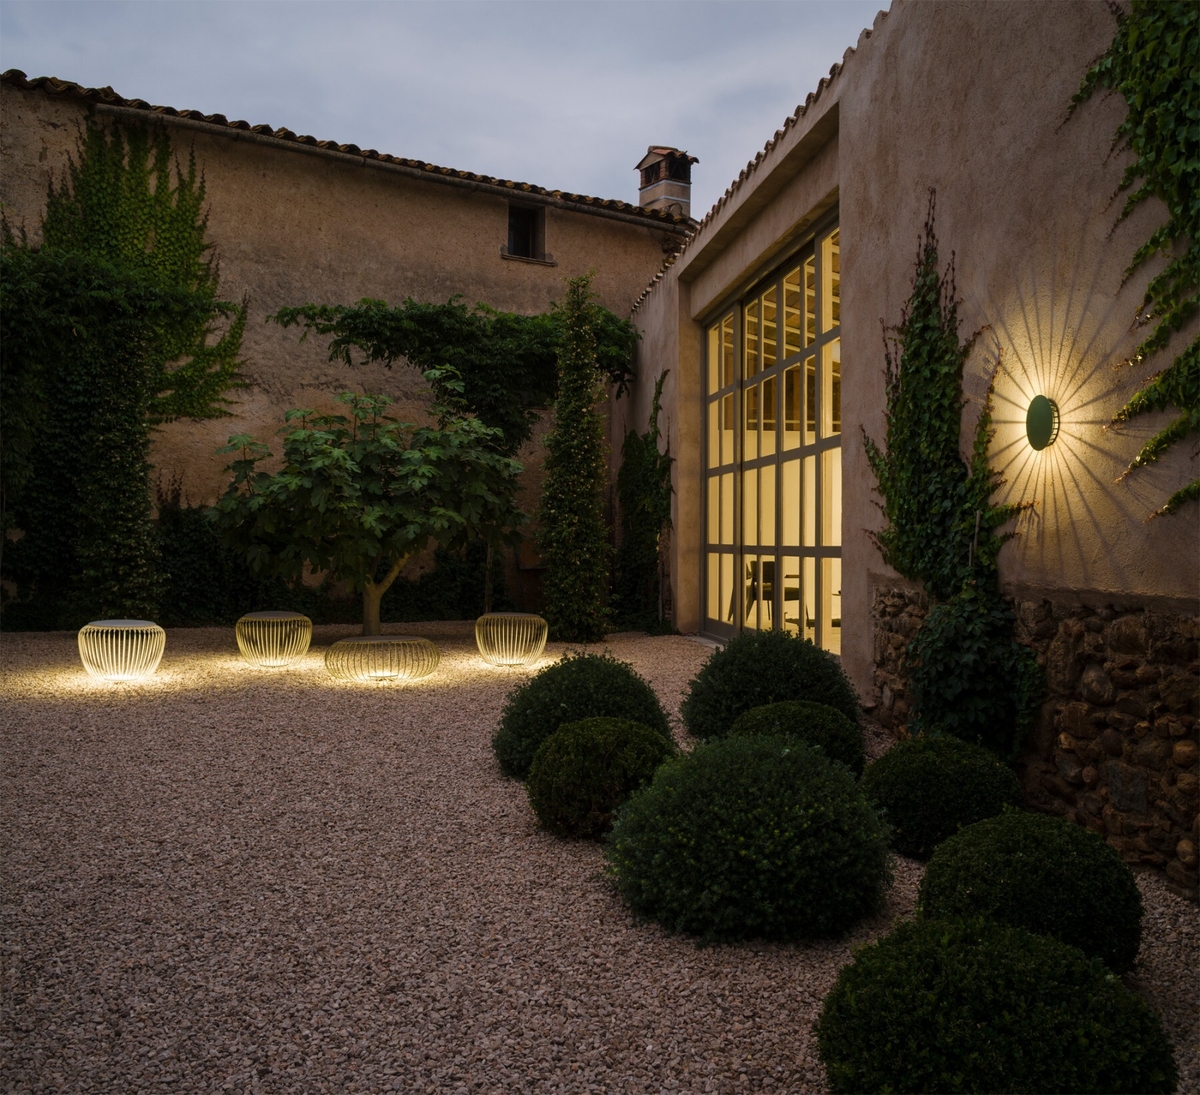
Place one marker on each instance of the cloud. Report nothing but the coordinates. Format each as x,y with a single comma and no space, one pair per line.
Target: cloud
566,95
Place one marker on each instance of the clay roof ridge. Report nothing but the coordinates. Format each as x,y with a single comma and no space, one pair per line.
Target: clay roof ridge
108,97
751,167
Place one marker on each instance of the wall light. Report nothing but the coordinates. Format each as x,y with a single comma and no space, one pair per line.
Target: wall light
121,650
510,638
381,658
271,640
1041,422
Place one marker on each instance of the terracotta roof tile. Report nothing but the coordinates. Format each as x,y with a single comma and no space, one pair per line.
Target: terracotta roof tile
107,96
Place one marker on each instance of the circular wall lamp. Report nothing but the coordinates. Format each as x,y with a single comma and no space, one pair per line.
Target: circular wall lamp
1041,422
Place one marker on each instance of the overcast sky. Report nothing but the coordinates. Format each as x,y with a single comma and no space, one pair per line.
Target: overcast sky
566,95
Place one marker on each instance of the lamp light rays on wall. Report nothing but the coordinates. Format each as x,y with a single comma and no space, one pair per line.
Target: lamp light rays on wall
1061,334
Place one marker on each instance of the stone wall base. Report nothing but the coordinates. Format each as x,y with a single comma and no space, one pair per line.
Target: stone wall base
1115,745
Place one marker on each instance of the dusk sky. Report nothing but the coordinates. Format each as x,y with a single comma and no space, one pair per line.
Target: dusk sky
564,95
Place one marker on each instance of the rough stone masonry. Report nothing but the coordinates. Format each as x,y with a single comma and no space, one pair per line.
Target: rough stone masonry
1115,746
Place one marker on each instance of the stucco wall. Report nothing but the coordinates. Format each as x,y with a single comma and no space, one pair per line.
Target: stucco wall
969,98
291,225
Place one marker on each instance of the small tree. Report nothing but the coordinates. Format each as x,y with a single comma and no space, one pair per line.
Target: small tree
360,494
573,537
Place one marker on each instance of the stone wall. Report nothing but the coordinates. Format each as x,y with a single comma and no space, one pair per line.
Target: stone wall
1115,746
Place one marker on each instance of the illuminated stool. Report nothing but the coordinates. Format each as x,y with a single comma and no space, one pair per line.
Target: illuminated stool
271,640
381,658
121,650
510,638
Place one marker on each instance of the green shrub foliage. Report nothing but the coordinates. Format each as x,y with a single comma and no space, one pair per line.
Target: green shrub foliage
968,677
644,494
761,667
838,737
929,788
585,770
573,537
976,1006
1040,873
751,837
507,361
581,686
111,325
1152,64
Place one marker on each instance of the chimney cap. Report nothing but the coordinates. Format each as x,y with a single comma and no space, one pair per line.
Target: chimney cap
662,152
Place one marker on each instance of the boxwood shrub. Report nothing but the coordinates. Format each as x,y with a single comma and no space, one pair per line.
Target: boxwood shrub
838,737
581,686
976,1006
584,770
929,788
751,837
762,667
1044,874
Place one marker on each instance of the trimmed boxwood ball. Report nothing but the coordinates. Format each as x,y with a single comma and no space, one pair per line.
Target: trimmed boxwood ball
838,737
581,686
762,667
976,1006
751,837
929,788
1044,874
584,770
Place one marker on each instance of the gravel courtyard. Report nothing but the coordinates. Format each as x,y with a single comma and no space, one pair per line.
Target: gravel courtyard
228,879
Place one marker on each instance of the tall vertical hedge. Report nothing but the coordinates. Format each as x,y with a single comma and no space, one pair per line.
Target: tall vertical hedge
109,326
573,538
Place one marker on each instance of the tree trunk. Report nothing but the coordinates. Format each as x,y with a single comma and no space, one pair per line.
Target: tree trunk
373,593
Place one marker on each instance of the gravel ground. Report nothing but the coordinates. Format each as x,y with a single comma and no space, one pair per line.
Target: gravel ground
234,880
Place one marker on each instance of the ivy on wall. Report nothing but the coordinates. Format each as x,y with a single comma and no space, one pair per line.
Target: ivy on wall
1152,63
968,675
106,330
507,361
644,495
573,538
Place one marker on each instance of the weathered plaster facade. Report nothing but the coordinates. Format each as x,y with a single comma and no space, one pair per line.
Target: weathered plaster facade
971,99
294,221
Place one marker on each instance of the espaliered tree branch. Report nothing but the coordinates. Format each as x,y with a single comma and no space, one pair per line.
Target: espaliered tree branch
507,362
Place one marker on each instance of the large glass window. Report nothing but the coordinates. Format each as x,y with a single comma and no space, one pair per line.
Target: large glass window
773,457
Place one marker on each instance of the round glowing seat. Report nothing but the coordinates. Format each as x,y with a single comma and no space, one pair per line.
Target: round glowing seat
271,640
121,650
381,658
510,638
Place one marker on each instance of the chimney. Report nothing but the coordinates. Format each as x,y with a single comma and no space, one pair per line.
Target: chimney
666,180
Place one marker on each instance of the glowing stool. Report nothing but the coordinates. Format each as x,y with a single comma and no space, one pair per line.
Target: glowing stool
121,650
510,638
271,640
381,658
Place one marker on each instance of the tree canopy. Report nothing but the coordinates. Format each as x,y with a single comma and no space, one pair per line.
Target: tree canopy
360,493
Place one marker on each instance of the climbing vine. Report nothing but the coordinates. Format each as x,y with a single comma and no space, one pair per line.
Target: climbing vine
644,495
109,326
1152,64
968,675
507,361
573,537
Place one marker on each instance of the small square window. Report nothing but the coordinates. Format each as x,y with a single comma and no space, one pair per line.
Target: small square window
522,232
527,235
